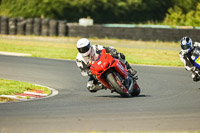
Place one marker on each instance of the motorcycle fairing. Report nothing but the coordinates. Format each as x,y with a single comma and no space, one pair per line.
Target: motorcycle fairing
105,62
197,62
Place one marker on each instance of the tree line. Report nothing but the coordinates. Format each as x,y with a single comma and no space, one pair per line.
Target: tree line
169,12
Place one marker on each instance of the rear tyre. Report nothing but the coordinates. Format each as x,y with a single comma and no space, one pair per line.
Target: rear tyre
112,81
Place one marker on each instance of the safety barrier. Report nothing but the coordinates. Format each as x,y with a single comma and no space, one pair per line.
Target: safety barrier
32,26
133,33
49,27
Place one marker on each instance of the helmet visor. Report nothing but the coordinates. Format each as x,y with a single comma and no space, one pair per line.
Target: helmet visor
84,49
185,47
87,54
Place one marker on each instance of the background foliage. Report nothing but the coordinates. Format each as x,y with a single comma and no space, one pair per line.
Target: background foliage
184,13
172,12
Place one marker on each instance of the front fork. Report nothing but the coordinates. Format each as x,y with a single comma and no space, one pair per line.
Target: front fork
129,83
125,84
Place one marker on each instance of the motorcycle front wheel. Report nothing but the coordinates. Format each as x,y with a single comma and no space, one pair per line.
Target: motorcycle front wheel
113,82
136,89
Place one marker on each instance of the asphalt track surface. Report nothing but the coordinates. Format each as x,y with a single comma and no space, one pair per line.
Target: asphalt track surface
169,100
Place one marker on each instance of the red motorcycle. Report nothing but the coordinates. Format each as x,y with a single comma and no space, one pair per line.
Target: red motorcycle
112,73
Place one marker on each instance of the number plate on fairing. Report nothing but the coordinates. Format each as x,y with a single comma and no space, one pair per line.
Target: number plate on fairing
197,62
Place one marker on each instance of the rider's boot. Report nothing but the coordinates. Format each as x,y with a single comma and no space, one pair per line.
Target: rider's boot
95,87
130,69
101,86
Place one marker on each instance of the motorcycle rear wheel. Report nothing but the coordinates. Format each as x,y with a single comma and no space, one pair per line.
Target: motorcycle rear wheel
112,81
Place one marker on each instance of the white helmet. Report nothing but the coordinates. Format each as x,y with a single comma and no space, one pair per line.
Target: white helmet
84,47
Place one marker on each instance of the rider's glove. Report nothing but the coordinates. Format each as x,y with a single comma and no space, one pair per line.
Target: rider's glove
196,53
196,44
112,51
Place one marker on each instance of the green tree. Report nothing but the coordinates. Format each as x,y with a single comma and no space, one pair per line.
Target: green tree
102,11
32,8
176,16
193,17
186,5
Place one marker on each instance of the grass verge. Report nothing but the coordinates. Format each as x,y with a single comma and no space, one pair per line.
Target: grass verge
10,87
137,52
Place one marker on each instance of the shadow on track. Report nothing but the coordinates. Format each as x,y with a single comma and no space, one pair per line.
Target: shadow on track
118,96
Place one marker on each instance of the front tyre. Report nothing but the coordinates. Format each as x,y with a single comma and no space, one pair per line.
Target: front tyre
136,90
113,82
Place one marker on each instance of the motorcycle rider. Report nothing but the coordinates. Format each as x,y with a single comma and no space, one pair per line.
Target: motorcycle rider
187,55
88,52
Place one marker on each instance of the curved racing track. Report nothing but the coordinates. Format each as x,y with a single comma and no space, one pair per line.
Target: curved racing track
169,100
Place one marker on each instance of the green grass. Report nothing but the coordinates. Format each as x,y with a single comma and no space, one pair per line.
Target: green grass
137,52
10,87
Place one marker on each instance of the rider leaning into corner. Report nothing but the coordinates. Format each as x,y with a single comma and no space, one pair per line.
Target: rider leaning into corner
88,52
187,54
